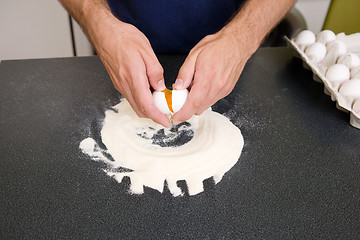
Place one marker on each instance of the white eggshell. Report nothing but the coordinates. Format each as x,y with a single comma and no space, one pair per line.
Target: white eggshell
355,72
325,36
160,102
178,99
351,60
350,91
305,37
316,52
337,74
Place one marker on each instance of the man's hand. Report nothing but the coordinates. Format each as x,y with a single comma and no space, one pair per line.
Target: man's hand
126,54
214,65
212,68
132,65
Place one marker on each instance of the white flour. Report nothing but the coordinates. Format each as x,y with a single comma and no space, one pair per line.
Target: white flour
207,146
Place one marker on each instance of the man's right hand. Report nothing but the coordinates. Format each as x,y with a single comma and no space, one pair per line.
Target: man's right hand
132,65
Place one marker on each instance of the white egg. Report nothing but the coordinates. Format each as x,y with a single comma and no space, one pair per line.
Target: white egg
316,52
160,102
178,98
355,72
350,91
351,60
305,38
337,74
325,36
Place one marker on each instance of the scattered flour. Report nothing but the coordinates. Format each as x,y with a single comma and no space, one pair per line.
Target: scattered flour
206,146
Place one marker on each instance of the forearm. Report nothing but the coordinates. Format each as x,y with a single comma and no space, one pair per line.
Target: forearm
255,20
92,15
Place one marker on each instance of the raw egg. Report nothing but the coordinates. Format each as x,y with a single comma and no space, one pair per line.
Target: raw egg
337,74
326,36
350,91
170,101
316,52
305,38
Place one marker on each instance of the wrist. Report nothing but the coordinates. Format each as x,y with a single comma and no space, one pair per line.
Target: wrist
243,38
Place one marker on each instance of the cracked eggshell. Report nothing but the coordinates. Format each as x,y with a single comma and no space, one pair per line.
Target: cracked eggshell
305,38
350,91
325,36
337,74
160,102
178,99
316,52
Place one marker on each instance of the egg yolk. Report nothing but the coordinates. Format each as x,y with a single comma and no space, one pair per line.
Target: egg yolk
168,97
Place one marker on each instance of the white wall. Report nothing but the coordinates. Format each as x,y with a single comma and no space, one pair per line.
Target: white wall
314,12
82,44
40,28
34,29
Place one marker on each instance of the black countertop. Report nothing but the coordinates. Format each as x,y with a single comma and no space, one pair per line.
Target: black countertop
298,175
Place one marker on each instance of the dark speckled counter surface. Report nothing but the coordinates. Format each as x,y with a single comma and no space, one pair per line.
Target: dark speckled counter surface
298,176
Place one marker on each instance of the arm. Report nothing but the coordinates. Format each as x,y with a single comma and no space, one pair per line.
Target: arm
126,54
214,65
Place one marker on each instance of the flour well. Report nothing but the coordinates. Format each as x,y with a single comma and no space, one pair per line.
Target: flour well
206,146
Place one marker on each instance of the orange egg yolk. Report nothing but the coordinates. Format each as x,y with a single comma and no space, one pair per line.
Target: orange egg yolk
168,97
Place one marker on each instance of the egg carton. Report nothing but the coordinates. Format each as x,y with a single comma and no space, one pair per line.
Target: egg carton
335,62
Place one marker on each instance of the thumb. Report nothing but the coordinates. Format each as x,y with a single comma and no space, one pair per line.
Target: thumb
186,73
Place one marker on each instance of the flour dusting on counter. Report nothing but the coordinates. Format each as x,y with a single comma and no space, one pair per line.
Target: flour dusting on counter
206,146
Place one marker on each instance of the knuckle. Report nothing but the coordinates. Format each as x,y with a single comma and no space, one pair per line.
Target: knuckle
196,104
139,115
121,75
227,91
142,109
192,51
221,84
208,37
199,112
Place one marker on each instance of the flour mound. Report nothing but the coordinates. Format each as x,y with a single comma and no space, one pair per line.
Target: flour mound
206,146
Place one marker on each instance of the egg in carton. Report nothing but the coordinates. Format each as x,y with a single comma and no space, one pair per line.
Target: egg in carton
335,62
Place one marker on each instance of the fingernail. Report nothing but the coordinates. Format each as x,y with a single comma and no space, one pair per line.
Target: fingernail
161,85
178,84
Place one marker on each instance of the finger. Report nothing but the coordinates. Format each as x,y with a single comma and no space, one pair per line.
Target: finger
145,102
154,70
197,101
139,91
186,72
123,89
132,101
